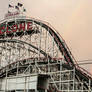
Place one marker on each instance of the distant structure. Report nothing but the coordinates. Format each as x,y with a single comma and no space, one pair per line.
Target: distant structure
35,58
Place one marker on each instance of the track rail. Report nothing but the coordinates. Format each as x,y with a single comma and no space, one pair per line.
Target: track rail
61,45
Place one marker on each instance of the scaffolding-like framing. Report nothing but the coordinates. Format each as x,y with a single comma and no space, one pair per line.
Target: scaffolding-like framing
40,50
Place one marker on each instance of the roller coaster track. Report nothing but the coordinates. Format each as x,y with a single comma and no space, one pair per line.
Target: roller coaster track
63,48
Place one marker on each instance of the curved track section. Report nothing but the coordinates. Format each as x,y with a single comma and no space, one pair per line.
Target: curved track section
30,46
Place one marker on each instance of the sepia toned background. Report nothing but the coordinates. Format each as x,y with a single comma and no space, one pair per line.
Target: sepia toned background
71,18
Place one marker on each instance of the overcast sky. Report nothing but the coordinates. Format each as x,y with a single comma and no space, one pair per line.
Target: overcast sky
71,18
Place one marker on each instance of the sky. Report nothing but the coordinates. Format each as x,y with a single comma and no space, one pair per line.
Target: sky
71,18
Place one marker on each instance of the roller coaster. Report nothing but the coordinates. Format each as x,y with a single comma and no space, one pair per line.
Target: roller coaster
35,58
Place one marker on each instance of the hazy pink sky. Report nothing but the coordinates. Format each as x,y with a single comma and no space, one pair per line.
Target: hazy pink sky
71,18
